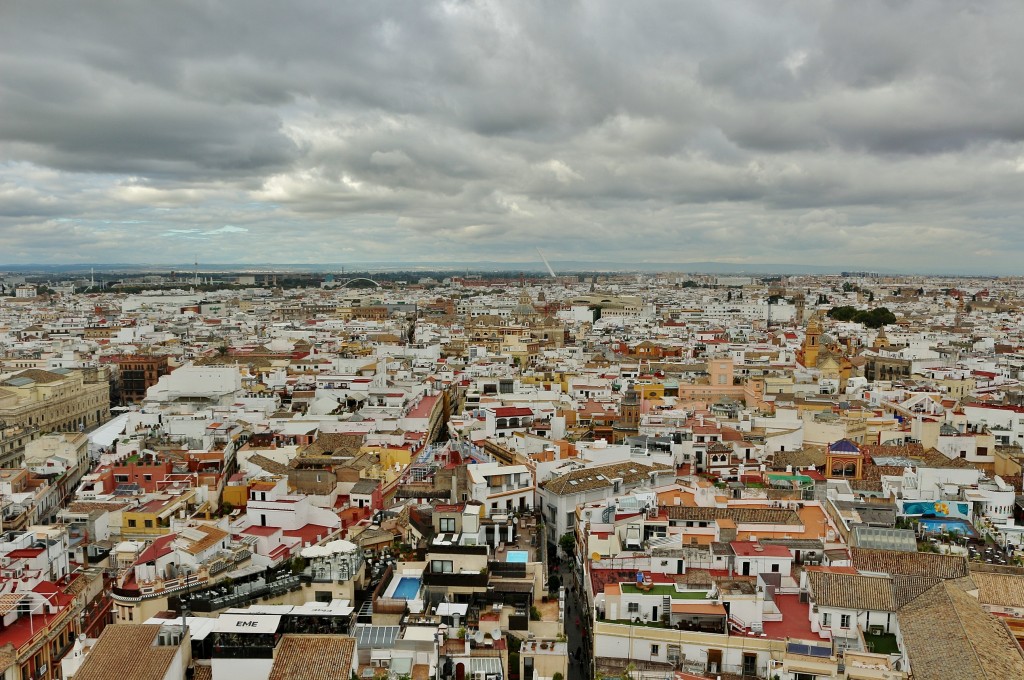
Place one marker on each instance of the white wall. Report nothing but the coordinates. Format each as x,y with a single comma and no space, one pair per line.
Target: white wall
235,669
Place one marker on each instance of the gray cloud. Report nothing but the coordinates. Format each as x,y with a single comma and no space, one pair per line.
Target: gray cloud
819,132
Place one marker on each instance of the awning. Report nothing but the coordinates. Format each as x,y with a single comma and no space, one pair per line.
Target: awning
512,587
241,623
250,570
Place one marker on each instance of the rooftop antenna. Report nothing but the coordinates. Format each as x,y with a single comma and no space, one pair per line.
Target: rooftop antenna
547,264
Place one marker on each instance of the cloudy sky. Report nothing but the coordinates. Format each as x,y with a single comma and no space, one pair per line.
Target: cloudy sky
868,134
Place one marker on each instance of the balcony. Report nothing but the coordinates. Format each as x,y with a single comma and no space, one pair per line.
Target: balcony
503,488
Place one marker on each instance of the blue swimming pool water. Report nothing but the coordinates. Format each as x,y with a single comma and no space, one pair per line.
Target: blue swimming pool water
517,556
953,526
408,588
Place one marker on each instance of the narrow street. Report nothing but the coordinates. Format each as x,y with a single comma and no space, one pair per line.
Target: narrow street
575,624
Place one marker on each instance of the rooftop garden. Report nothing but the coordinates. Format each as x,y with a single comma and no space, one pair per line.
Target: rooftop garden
629,622
664,590
884,643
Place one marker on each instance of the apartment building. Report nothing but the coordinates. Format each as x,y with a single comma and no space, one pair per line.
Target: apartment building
58,400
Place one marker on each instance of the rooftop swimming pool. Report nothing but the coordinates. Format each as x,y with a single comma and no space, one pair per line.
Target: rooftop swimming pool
950,525
518,556
407,589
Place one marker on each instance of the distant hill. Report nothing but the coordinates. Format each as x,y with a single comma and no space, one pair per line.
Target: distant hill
560,267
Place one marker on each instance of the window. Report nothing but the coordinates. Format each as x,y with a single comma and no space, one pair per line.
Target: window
633,607
826,619
775,568
131,523
447,525
844,621
149,524
655,649
441,566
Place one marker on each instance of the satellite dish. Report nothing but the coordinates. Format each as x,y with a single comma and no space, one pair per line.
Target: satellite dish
596,556
496,633
479,637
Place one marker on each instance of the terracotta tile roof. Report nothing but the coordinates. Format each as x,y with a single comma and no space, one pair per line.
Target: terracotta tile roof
739,515
212,536
695,577
334,443
601,476
890,450
39,376
268,464
999,590
934,458
948,636
313,657
909,563
9,601
126,650
806,457
859,592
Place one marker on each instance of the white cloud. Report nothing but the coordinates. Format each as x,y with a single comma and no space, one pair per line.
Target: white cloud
809,132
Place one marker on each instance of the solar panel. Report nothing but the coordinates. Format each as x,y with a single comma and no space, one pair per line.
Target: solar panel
823,652
794,648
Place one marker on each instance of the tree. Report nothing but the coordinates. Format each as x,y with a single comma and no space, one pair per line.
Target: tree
843,313
874,318
877,318
568,543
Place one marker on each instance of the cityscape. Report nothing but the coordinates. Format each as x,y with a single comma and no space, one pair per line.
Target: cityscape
539,475
483,340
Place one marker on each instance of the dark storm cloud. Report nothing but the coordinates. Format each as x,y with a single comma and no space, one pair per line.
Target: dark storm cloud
748,131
